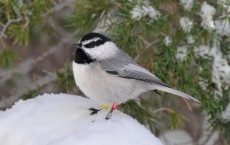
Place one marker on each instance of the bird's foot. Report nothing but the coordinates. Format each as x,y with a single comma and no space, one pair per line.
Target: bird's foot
114,107
105,107
94,111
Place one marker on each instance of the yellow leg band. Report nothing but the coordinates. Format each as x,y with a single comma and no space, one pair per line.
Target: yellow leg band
105,107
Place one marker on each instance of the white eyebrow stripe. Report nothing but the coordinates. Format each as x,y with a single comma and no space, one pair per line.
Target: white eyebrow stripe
91,40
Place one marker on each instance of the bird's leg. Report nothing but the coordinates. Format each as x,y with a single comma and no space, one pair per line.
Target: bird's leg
105,107
114,107
95,111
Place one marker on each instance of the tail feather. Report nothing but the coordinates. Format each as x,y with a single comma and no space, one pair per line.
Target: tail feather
175,92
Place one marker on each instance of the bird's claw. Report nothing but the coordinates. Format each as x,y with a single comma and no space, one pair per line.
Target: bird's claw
94,111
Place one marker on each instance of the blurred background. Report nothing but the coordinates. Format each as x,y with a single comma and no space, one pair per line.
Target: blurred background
185,43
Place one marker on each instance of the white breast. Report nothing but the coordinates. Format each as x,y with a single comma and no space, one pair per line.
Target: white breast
102,87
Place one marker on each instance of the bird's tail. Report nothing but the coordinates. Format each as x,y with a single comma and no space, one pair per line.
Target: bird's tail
175,92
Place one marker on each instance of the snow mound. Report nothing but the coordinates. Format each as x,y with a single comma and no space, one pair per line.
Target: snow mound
62,119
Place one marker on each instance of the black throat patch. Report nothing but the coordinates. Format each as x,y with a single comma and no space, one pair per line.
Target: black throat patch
80,57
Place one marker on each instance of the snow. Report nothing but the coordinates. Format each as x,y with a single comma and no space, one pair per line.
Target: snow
226,113
223,24
220,70
186,24
203,83
176,137
62,119
208,136
140,11
181,53
220,67
168,41
225,4
223,27
187,4
207,12
190,39
202,51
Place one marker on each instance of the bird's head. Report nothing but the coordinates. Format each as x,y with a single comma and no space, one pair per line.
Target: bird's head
94,47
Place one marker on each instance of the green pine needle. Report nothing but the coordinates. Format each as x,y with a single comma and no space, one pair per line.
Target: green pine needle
8,57
65,79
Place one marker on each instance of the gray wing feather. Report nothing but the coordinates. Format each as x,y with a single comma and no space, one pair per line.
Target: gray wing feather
124,66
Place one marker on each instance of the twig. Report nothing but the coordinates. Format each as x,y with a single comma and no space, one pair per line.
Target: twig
146,43
163,109
10,21
2,34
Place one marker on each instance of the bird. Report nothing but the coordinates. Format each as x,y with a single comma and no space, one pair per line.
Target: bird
107,74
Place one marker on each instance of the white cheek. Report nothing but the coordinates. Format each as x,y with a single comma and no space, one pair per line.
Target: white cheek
107,50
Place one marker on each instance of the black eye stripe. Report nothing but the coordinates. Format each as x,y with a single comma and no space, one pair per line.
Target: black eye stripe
93,44
91,40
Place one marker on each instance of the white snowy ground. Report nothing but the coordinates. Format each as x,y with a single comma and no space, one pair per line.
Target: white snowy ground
62,119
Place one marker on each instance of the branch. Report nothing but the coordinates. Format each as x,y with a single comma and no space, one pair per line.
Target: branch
27,65
10,21
6,102
57,7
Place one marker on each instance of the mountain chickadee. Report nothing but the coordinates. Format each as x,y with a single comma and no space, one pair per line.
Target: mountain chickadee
106,74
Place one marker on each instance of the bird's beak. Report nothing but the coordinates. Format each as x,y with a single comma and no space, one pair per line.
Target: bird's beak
76,46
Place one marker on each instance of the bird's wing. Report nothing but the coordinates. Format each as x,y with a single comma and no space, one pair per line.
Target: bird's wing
124,66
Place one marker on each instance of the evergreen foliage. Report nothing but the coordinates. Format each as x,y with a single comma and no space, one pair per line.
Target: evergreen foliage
7,57
65,78
144,38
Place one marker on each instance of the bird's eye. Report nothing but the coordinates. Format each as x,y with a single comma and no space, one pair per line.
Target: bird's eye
90,45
